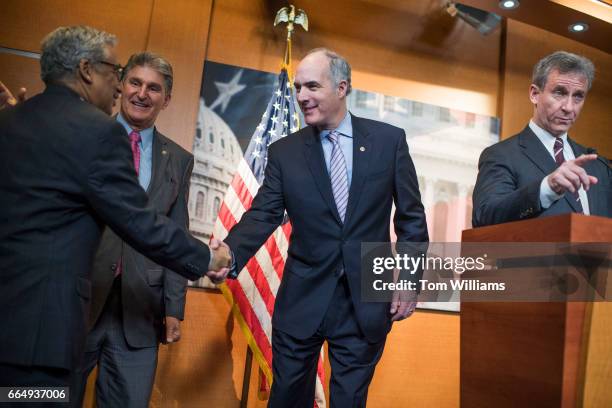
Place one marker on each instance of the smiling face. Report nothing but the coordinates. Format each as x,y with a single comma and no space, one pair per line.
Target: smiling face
143,96
323,103
557,106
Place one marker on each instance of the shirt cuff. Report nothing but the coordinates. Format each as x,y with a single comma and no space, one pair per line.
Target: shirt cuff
233,273
547,195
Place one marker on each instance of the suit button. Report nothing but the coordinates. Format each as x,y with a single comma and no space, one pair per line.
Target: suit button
113,267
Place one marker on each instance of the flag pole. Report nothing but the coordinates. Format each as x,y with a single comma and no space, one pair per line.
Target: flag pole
291,16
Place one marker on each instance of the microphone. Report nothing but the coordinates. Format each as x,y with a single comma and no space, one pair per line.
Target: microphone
606,162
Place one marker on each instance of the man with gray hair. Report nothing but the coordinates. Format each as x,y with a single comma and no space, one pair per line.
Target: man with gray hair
66,169
541,171
337,180
136,304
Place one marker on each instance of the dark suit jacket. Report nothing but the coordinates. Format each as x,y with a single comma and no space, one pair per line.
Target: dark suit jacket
509,177
297,181
148,291
65,170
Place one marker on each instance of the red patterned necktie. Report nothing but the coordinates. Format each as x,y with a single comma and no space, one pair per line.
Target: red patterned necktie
134,140
560,159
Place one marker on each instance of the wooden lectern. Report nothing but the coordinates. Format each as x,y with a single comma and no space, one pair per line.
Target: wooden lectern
531,354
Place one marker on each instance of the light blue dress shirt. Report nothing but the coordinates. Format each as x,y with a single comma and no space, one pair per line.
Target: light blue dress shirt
146,152
346,144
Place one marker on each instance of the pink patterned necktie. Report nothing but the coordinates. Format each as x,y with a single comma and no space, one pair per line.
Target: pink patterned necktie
134,140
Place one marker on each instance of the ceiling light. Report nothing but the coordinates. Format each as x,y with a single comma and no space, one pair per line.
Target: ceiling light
509,4
578,27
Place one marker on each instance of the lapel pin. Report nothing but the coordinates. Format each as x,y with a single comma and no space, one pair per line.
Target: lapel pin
164,152
362,149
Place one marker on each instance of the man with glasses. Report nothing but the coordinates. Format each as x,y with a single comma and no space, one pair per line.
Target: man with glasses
66,169
136,304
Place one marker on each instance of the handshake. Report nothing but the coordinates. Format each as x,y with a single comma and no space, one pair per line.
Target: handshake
220,261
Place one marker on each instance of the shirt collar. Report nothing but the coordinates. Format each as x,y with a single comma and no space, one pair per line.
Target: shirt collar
146,135
345,127
545,136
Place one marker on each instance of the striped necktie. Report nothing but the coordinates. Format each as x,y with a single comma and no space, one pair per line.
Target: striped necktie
560,159
338,175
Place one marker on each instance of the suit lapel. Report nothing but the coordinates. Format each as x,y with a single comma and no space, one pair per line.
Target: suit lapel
541,158
362,152
536,152
161,158
316,163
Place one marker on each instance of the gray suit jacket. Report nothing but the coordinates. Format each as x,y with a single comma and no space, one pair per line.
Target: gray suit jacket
149,292
509,177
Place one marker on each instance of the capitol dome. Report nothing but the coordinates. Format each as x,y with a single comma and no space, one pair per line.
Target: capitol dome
217,153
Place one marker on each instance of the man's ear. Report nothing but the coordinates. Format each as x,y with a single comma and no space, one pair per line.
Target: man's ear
85,70
167,101
534,92
342,88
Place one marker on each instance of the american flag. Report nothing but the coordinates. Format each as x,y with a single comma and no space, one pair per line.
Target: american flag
253,293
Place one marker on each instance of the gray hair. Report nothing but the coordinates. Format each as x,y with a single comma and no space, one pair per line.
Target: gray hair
65,47
339,68
154,61
565,63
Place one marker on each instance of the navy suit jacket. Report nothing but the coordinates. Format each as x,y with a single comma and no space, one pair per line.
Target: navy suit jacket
296,180
66,169
509,177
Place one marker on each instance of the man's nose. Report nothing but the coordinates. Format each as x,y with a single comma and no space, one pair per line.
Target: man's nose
142,92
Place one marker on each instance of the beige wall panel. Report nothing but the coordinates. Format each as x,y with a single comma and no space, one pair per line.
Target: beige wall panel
420,365
206,367
598,372
410,49
179,31
526,45
23,23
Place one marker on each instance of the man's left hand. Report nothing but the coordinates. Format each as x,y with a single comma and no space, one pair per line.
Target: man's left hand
173,329
7,99
403,304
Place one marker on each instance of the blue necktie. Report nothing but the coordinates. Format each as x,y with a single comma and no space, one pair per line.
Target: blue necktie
338,175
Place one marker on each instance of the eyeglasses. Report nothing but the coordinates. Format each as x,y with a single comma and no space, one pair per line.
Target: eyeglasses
116,67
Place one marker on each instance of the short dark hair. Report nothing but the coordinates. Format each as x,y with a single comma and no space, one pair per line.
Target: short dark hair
564,62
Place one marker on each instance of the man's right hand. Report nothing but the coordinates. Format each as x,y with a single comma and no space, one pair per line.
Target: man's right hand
220,263
570,175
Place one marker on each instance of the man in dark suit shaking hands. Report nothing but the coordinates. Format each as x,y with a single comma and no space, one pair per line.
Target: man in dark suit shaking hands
66,170
136,304
337,180
541,171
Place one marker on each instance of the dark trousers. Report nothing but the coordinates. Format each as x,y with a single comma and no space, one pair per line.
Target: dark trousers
125,374
22,376
352,358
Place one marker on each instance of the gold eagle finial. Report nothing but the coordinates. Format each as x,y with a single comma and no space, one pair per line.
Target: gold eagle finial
291,16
